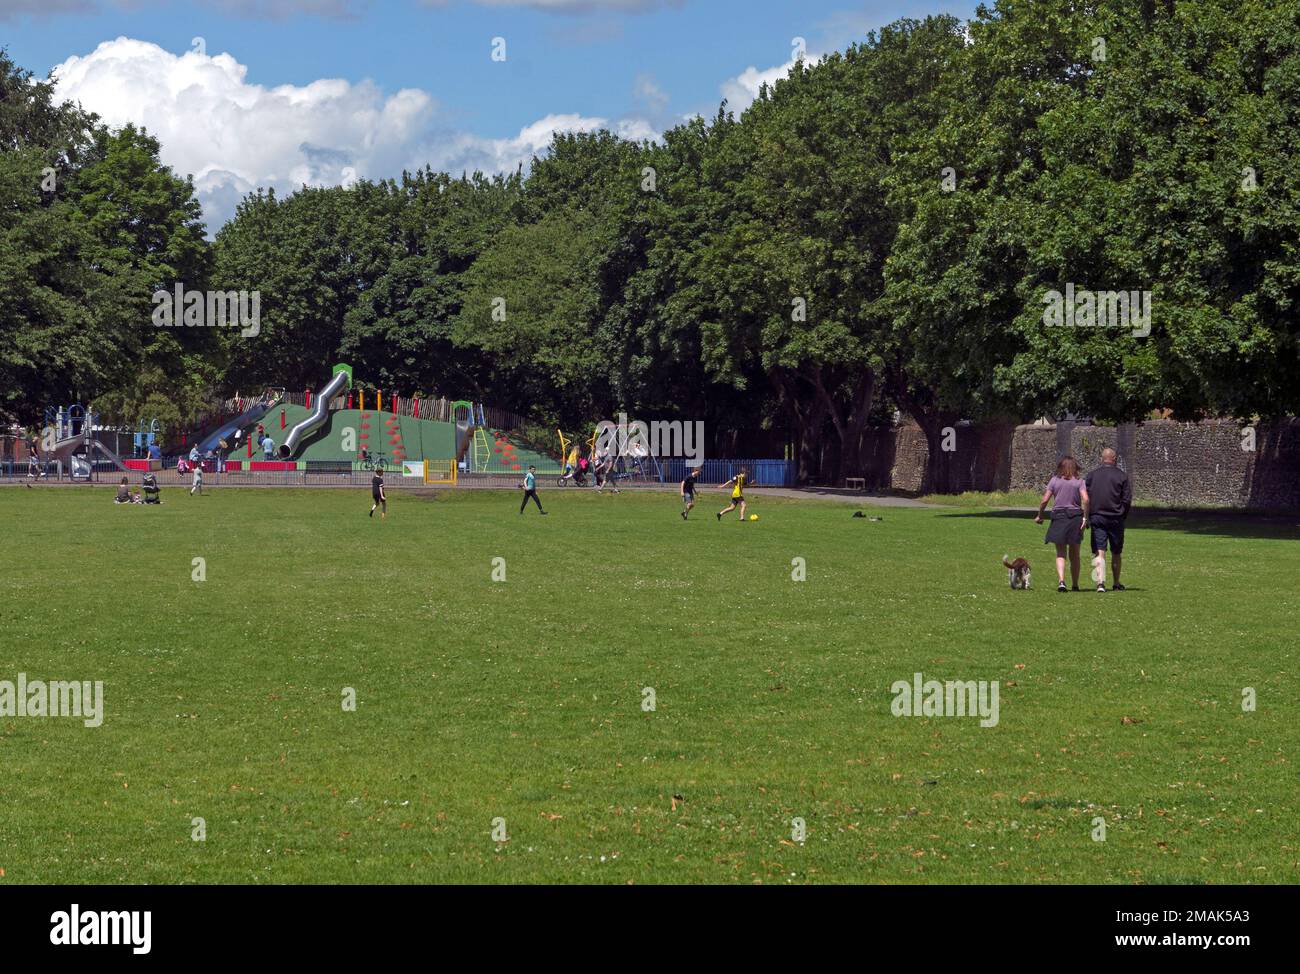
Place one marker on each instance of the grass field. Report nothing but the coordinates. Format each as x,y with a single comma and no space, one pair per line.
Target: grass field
523,699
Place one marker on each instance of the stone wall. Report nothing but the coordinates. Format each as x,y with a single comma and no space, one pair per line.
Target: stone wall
1169,463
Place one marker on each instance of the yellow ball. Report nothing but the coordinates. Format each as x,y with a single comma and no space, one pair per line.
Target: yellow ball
753,517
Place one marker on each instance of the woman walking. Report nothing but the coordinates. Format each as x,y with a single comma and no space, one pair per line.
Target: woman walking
1069,497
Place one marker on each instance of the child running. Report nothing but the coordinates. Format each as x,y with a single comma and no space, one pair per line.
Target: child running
688,491
378,495
737,485
196,486
530,489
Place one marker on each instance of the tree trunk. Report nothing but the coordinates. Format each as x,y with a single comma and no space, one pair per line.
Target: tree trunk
939,466
809,420
848,426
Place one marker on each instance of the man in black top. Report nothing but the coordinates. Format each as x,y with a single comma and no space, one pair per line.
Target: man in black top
688,491
1110,495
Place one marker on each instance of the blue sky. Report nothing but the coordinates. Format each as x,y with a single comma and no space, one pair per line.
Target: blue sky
415,78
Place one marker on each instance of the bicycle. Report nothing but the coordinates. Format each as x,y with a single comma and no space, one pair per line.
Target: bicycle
374,461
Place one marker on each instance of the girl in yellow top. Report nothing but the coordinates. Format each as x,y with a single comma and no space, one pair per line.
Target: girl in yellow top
737,485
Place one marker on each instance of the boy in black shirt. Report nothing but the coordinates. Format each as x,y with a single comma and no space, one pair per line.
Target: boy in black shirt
378,495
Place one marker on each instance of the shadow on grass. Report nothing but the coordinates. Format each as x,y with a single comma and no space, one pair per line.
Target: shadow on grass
1228,524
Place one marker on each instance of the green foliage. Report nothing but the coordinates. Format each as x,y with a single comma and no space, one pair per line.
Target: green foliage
876,230
91,224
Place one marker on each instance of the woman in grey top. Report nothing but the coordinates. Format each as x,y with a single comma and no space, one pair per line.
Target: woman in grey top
1069,497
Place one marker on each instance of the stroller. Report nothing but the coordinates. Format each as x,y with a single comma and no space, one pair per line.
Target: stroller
574,473
581,471
152,495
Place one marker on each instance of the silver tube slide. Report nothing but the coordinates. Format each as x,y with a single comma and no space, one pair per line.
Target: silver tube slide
319,410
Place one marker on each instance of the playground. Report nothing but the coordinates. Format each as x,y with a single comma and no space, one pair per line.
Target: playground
339,434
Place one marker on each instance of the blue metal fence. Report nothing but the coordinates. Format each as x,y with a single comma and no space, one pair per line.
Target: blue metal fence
763,473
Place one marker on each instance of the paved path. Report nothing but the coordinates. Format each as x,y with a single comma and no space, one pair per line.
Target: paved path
850,496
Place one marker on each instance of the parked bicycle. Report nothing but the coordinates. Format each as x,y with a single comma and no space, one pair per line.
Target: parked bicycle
373,461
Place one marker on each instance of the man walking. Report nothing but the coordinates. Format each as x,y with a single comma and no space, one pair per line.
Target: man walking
530,489
688,491
1110,495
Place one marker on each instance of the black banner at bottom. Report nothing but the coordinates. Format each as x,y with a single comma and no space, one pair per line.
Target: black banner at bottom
338,923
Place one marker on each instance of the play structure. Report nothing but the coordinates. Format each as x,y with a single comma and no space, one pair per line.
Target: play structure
347,428
72,438
342,379
226,431
344,427
630,460
473,453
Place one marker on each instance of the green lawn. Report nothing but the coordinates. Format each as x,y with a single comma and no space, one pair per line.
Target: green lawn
522,699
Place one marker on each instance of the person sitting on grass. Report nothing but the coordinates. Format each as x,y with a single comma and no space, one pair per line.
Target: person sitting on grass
737,485
124,495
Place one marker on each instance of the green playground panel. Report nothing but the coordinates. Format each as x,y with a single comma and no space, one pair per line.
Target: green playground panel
523,457
421,438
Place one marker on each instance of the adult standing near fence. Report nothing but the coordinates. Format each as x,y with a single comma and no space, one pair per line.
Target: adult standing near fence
33,457
1111,496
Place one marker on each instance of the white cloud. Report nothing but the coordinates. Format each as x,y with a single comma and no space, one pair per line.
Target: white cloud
649,94
234,136
742,90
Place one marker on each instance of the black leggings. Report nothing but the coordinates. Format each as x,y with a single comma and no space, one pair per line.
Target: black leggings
524,503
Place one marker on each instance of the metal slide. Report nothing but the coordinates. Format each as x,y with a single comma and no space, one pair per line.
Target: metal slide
319,411
63,451
247,418
108,454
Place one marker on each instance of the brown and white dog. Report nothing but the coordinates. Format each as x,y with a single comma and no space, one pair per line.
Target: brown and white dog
1017,572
